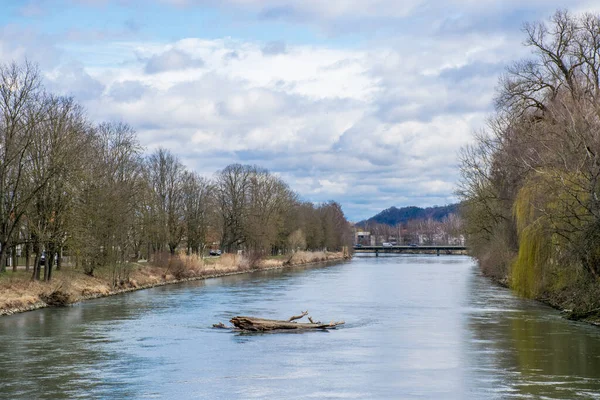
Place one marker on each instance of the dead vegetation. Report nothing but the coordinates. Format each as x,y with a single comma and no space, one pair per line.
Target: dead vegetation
309,257
57,298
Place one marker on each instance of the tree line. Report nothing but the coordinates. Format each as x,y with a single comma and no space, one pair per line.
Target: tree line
531,181
68,185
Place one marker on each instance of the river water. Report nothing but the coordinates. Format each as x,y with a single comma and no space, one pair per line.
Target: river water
417,327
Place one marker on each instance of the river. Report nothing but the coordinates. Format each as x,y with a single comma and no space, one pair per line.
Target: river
417,327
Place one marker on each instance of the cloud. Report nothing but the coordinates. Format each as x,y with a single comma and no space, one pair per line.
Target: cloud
336,124
278,12
73,80
18,43
274,48
172,60
231,55
372,122
127,91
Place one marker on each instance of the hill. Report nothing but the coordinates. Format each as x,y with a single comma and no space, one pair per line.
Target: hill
393,216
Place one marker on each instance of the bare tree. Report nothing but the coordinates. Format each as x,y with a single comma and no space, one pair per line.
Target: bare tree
165,174
197,205
61,138
108,206
269,198
232,187
21,113
336,229
532,179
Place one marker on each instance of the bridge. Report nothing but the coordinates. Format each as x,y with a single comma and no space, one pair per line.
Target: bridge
411,249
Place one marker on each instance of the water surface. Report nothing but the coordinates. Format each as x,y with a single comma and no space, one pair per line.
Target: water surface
417,327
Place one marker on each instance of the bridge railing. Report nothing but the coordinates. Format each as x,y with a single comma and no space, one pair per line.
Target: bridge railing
411,249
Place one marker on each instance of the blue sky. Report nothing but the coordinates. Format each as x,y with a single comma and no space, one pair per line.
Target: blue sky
362,102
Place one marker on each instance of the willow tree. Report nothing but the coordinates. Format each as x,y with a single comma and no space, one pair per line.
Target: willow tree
533,178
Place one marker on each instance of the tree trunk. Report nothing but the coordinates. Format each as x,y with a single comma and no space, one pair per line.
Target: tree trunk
47,266
27,256
35,276
14,259
59,259
49,263
3,256
263,325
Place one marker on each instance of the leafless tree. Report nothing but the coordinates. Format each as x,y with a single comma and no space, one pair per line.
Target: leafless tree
231,191
108,204
22,111
61,138
165,174
197,208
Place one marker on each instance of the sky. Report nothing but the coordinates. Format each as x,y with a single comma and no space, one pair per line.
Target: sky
365,102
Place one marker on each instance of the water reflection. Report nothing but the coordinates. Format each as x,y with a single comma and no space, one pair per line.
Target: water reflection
522,349
421,327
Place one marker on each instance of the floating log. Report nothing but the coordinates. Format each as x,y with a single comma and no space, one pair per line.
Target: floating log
253,324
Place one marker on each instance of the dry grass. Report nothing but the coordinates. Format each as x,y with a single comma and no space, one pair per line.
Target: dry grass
309,257
271,263
19,293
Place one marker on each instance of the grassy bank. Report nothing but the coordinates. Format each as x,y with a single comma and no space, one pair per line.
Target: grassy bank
18,293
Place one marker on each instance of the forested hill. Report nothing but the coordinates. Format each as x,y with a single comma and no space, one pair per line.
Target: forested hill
393,216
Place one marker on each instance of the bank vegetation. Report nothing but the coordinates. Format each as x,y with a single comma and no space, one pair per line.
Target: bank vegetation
531,182
89,198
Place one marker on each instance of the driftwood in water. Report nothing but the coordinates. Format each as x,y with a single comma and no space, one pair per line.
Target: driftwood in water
295,317
262,325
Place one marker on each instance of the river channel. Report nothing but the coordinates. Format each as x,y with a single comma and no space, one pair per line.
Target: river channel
417,327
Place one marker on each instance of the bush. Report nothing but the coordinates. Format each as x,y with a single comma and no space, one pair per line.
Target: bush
57,298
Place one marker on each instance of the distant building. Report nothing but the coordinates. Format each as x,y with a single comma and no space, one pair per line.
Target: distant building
363,238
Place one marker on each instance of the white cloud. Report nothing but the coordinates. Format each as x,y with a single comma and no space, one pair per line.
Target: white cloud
19,43
337,124
372,125
172,60
274,48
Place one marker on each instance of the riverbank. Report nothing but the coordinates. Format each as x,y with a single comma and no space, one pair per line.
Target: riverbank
70,285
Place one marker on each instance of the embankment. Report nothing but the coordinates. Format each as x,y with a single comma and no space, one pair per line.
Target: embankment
69,285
